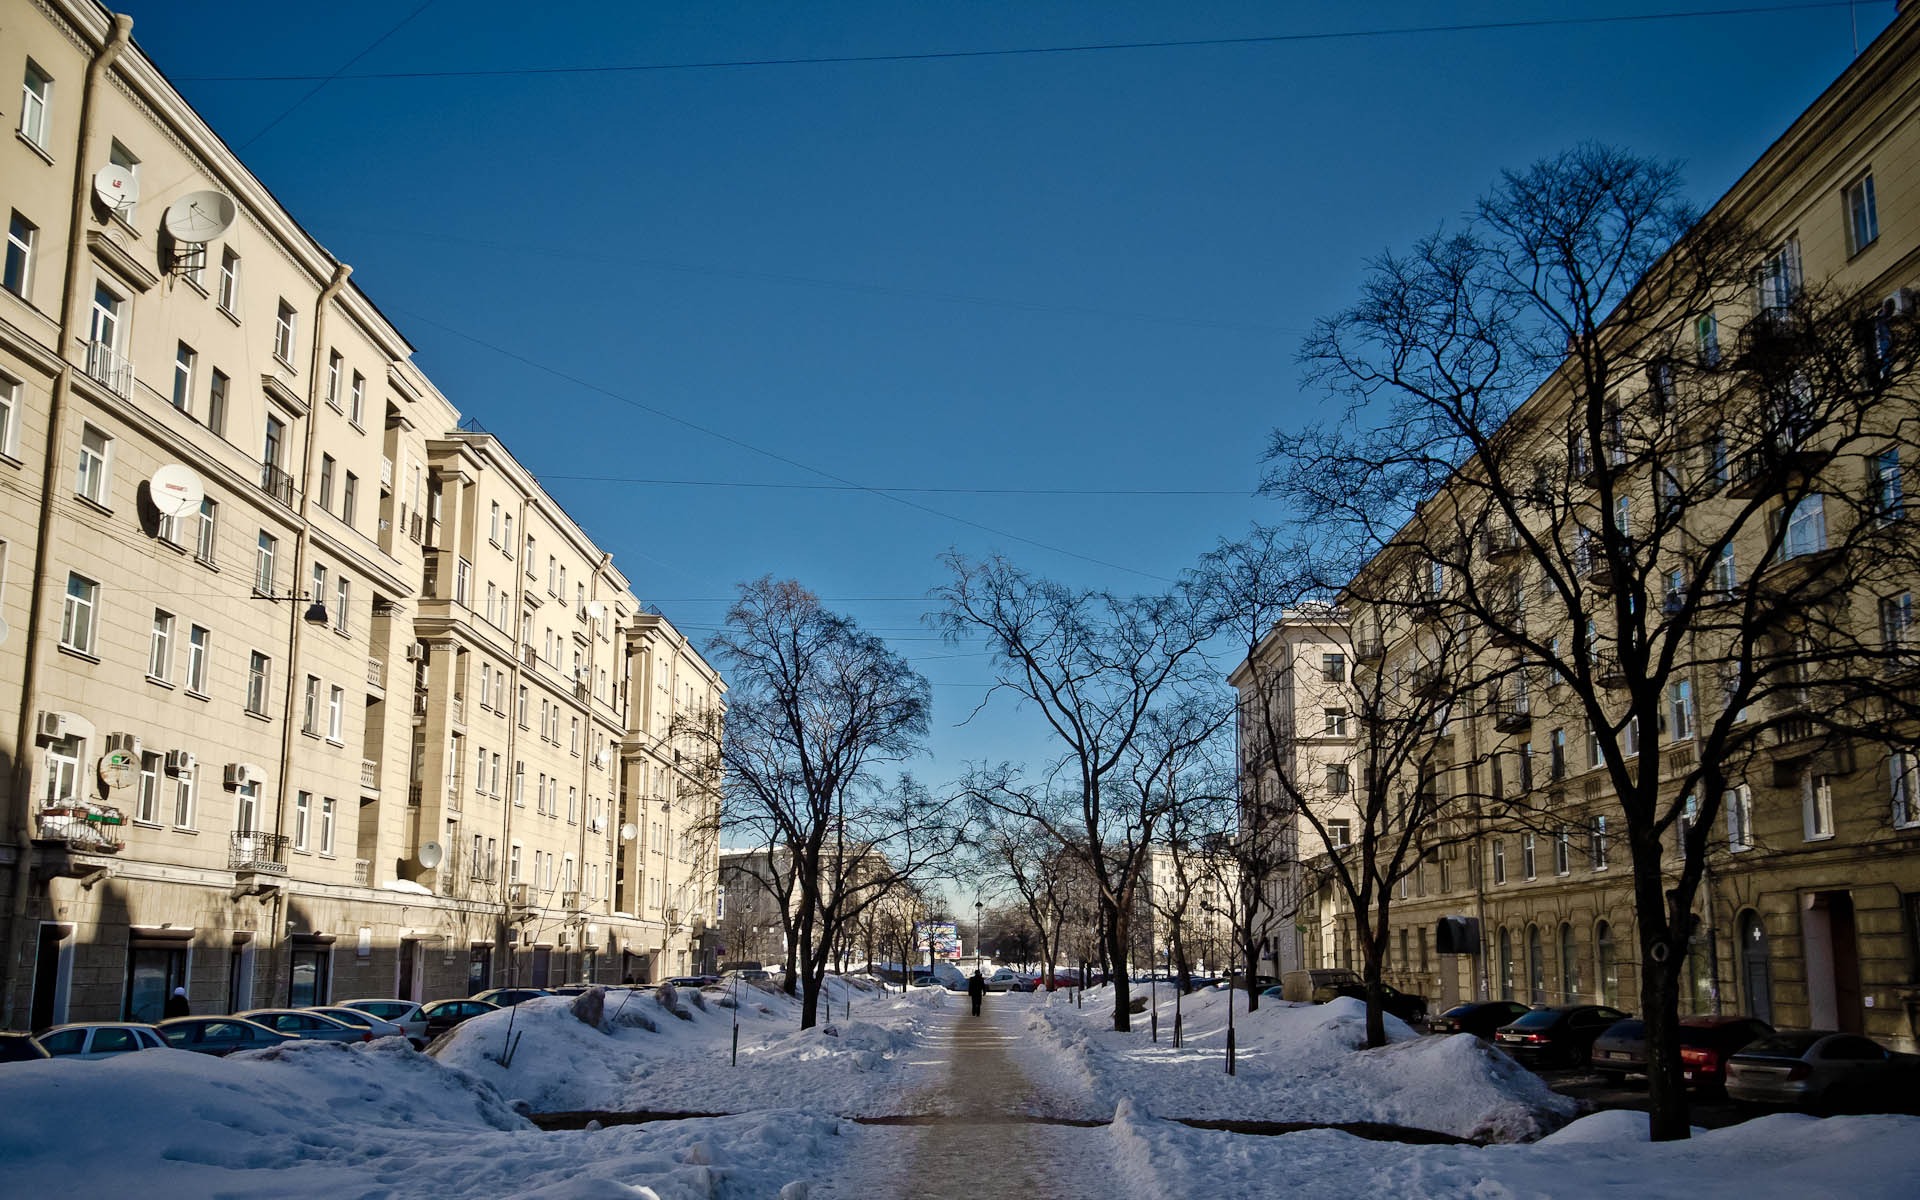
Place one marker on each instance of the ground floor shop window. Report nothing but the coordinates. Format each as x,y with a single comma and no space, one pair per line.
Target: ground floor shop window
312,976
153,971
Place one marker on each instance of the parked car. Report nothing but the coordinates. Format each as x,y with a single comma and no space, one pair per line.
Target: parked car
442,1015
1316,985
98,1040
20,1047
747,975
1822,1069
507,997
361,1019
1562,1036
219,1036
693,981
1408,1007
404,1013
1006,979
309,1025
1705,1044
1477,1017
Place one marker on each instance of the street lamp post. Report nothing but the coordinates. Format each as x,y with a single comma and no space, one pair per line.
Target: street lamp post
977,908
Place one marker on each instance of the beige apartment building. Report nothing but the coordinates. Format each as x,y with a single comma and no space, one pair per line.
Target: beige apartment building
317,693
1809,912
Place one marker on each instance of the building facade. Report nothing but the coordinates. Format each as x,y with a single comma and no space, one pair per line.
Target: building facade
243,536
1808,914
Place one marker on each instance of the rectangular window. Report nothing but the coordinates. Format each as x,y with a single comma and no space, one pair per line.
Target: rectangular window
264,552
1896,621
1339,832
22,235
1333,668
259,671
319,593
1905,771
1339,779
357,399
1888,500
1597,843
9,407
1526,855
1806,531
146,807
1706,340
310,712
1562,852
96,461
335,365
229,298
349,497
462,582
1863,220
285,326
183,802
217,403
1739,802
1680,710
1780,278
185,360
342,603
302,819
326,482
36,104
1336,719
493,523
197,645
77,613
160,647
1499,860
336,712
328,808
1817,799
1726,573
208,535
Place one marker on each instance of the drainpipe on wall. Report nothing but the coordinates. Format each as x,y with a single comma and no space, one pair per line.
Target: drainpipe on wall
296,610
119,33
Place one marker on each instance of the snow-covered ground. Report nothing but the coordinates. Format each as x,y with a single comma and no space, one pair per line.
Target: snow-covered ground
378,1120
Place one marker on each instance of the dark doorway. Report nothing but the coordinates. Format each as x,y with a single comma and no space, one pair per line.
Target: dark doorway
49,998
542,966
1833,962
1756,969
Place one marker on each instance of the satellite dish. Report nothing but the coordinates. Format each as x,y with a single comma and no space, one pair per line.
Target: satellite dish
430,855
116,187
175,490
118,769
599,760
596,609
199,217
629,831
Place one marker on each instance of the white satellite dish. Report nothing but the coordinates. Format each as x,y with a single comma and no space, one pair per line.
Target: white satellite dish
629,831
430,855
117,187
596,610
175,490
600,759
199,217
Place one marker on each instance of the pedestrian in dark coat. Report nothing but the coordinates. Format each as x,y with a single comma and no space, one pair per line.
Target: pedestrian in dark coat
976,989
177,1005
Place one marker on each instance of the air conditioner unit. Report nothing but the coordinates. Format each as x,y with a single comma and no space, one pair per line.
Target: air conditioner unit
128,742
239,775
179,762
52,727
414,652
1901,303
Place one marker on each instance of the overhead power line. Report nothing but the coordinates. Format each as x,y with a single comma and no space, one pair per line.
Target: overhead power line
1452,27
1242,493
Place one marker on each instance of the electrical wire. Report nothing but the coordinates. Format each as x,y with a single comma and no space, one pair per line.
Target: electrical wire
941,491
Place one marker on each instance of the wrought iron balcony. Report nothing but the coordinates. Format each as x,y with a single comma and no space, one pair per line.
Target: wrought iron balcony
250,853
92,828
110,367
276,483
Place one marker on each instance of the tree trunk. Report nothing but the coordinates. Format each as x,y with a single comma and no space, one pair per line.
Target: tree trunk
1660,961
1373,949
1115,929
1249,961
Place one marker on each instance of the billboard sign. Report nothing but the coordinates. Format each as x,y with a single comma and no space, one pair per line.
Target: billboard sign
943,936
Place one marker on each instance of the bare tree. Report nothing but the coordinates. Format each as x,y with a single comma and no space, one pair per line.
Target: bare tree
1677,536
1019,851
815,706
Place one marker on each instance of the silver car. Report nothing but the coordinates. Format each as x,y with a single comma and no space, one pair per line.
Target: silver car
218,1036
361,1019
309,1025
1822,1069
404,1013
98,1039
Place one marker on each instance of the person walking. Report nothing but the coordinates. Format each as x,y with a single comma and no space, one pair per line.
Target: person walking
976,989
177,1005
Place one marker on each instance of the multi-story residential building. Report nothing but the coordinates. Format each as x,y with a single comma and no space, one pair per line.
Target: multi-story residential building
243,536
1189,907
1808,913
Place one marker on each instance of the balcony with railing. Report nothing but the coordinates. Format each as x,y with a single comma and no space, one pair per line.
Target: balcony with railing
377,677
252,853
1502,541
111,368
362,872
370,775
80,825
1512,714
276,483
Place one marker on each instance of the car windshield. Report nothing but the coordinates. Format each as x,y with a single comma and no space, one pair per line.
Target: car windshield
1634,1029
1538,1018
1784,1045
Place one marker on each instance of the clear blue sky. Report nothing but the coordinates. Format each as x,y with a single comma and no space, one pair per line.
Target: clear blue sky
1083,271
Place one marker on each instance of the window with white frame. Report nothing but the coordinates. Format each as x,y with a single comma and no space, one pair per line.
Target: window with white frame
1706,340
160,647
198,644
62,778
92,476
36,105
302,819
1597,843
9,414
146,805
462,582
1806,531
326,482
1904,769
229,295
357,399
336,712
1896,621
246,808
1863,218
22,238
493,523
1817,805
1563,851
1888,501
335,366
265,549
286,324
1499,860
1526,855
349,497
129,168
342,603
1336,721
259,678
208,532
1680,710
1780,278
183,802
185,362
1739,802
329,809
77,613
217,382
310,710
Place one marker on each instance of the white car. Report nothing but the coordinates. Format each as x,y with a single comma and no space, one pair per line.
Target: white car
404,1013
99,1040
1006,979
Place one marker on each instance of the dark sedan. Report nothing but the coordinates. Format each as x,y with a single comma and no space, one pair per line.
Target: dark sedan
443,1015
1479,1018
219,1036
20,1047
507,997
1823,1070
1705,1044
1408,1007
1562,1036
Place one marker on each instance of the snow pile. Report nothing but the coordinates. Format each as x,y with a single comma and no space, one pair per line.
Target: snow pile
1295,1063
